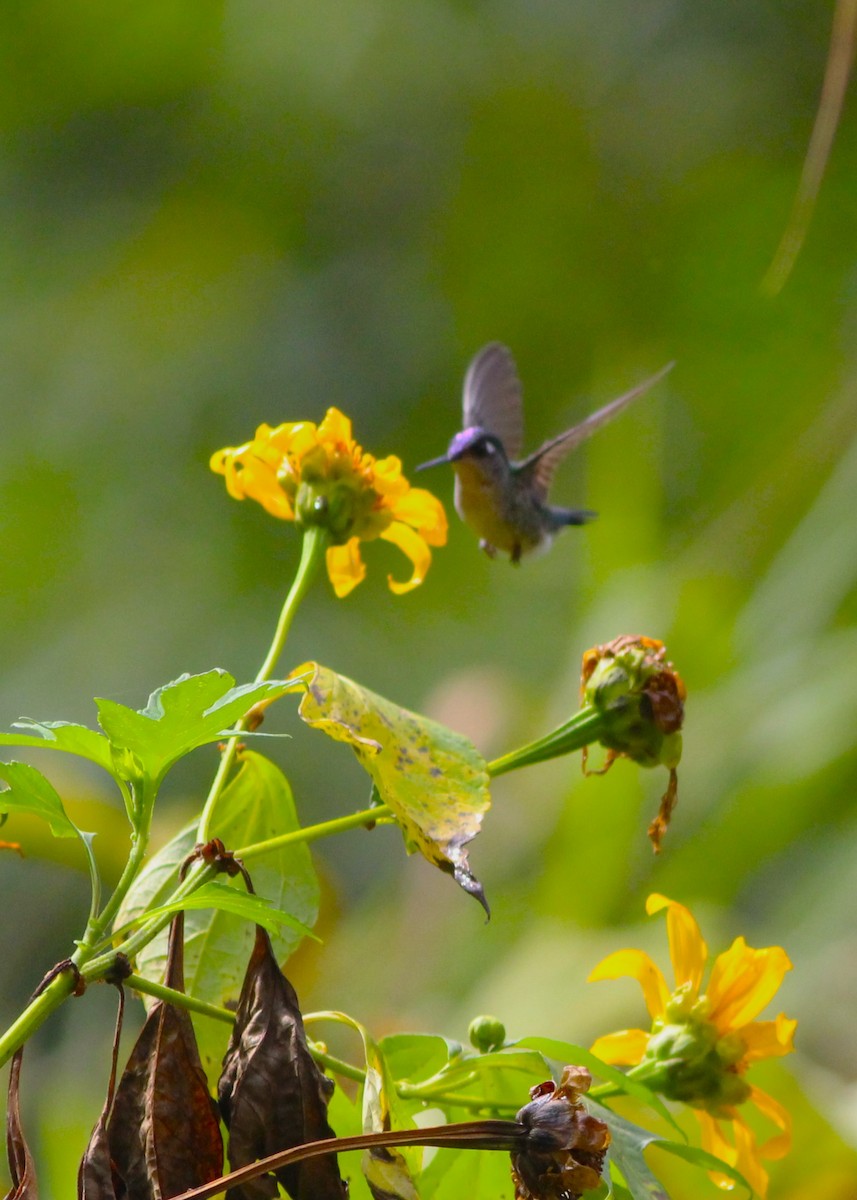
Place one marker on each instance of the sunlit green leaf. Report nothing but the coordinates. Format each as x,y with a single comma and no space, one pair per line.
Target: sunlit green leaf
184,714
414,1056
474,1174
257,805
61,735
432,778
28,791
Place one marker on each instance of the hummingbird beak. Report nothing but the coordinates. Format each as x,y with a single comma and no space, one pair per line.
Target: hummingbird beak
433,462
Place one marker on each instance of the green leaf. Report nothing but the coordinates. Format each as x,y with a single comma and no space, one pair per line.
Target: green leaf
255,806
62,735
221,896
30,792
345,1117
432,778
628,1144
184,714
474,1174
414,1057
568,1052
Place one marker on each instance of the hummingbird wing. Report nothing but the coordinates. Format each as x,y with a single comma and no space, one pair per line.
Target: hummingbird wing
538,468
492,397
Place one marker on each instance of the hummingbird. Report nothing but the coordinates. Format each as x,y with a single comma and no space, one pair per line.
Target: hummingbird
504,500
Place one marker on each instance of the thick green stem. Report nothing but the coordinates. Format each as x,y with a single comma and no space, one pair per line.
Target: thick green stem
314,545
35,1014
585,726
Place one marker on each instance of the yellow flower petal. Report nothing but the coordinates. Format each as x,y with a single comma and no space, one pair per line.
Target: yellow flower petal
414,546
688,950
767,1039
743,981
747,1156
318,474
624,1048
780,1144
388,478
638,965
345,567
714,1141
335,429
423,512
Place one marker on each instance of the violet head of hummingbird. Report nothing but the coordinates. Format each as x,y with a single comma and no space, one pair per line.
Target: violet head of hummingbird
505,500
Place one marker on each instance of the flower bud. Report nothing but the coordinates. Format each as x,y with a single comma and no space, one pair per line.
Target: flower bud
486,1033
640,696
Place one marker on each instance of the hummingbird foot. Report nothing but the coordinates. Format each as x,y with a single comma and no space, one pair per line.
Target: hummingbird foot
487,548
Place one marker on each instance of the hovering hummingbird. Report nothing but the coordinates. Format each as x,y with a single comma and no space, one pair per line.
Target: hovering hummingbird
505,501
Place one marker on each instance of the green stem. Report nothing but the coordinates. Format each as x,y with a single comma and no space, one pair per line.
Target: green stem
180,999
313,832
585,726
36,1012
314,544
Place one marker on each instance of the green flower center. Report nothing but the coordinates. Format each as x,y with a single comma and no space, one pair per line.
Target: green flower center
687,1059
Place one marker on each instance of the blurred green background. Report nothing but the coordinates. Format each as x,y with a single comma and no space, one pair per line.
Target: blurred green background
220,214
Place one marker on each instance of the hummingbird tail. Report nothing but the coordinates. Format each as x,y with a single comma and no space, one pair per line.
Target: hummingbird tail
572,516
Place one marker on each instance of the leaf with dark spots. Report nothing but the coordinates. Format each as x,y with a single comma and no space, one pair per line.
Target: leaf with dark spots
163,1132
433,779
272,1094
96,1179
21,1167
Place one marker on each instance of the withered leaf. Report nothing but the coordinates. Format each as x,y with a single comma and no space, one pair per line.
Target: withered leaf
95,1178
272,1094
21,1167
387,1175
163,1133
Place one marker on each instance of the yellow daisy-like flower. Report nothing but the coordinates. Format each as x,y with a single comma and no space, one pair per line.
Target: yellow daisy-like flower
318,475
702,1042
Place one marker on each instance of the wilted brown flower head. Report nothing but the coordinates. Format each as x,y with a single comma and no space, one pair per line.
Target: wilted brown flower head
564,1152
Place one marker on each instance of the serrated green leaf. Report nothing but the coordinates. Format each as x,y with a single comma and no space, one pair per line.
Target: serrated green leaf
256,805
221,896
184,714
433,779
567,1052
62,735
30,792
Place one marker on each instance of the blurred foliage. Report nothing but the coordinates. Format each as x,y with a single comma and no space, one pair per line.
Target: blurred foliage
219,214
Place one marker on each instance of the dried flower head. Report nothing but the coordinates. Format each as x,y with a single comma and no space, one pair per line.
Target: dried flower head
566,1145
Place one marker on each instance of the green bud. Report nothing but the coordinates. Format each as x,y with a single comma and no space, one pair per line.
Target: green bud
486,1033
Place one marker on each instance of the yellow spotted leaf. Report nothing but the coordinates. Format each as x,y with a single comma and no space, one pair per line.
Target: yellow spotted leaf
433,780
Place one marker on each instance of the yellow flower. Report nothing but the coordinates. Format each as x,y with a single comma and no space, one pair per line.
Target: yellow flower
701,1043
318,475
